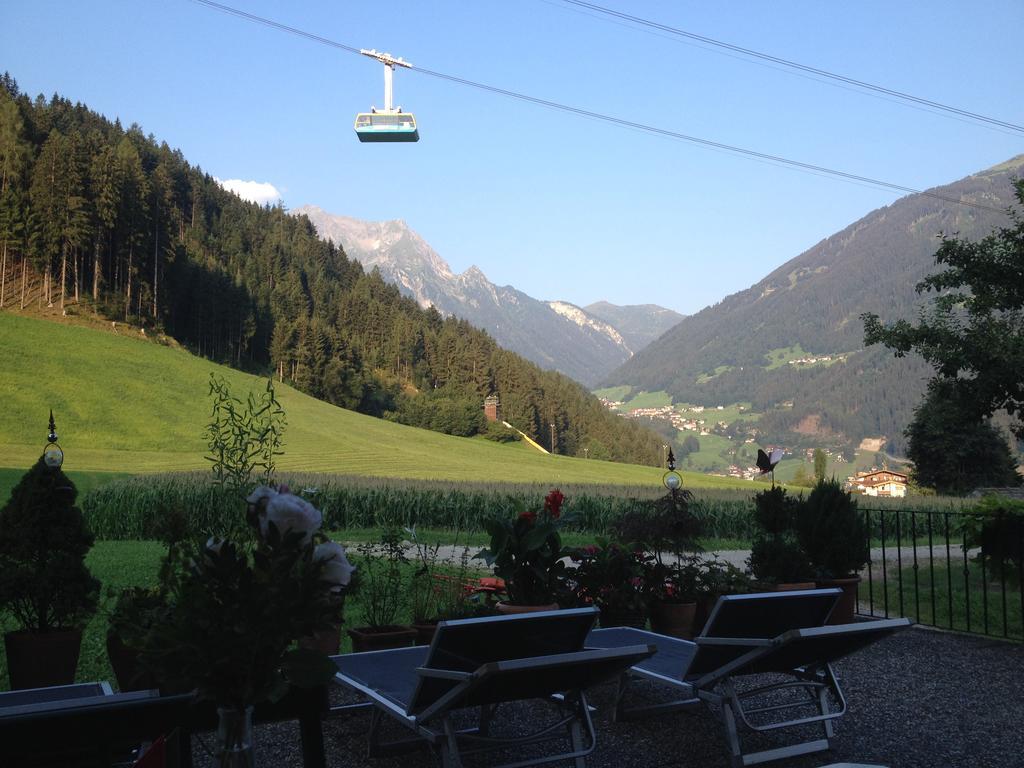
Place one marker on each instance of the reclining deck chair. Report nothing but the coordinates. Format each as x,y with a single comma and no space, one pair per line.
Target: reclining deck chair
482,663
776,632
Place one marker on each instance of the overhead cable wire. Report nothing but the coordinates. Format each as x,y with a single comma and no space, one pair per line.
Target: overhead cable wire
795,65
579,111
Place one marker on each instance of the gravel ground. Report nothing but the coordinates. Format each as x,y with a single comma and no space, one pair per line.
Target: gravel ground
919,698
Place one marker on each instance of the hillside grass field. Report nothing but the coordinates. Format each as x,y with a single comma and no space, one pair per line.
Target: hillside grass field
127,405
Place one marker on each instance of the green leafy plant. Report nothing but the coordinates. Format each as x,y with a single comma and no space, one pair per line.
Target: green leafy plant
243,438
995,525
381,583
776,556
526,552
716,577
609,575
44,539
662,527
831,531
137,609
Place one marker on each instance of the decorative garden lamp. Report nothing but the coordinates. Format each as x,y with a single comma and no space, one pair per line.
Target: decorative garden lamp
672,479
53,456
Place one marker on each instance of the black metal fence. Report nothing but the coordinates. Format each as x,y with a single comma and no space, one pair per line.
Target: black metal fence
951,569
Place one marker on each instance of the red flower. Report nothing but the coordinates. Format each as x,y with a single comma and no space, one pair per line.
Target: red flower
553,503
530,517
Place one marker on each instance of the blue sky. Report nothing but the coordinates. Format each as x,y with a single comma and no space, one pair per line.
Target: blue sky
559,206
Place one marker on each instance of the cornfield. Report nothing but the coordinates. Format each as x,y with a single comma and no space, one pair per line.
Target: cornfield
133,508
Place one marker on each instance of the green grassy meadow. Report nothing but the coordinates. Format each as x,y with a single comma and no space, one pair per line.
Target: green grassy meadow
976,602
615,394
84,481
123,404
657,399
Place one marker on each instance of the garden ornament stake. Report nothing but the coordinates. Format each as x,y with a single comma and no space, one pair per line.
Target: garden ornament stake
52,453
672,479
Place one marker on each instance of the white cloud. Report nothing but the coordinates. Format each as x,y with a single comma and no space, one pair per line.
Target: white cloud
261,192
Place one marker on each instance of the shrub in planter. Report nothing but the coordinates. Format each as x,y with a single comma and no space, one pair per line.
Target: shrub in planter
776,556
831,531
665,531
44,583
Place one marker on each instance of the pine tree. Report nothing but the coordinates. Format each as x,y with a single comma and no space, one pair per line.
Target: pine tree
44,539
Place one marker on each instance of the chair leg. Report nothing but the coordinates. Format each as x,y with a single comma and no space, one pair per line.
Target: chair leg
619,714
486,714
450,757
732,734
824,707
373,734
576,731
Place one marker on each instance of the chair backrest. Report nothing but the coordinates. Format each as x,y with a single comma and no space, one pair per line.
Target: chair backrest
467,645
822,645
758,616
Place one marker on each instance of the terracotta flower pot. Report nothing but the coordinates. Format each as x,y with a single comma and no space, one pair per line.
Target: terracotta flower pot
327,641
512,608
381,638
40,659
673,619
623,617
787,587
425,632
125,663
847,605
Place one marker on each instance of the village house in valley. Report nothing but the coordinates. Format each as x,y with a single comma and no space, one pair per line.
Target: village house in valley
879,482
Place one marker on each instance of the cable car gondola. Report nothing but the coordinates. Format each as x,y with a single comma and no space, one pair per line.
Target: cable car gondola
390,123
386,126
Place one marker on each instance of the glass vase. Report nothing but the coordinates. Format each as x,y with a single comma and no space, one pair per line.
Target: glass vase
234,738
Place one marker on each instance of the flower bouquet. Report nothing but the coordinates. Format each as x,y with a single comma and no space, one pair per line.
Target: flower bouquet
237,608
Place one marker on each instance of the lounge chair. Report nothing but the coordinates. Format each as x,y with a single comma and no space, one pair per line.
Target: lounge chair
83,724
98,727
777,633
483,663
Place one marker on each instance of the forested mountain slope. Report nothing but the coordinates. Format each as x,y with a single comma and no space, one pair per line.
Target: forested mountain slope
808,309
109,221
555,335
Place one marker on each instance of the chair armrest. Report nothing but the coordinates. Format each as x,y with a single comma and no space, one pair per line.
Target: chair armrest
443,674
746,642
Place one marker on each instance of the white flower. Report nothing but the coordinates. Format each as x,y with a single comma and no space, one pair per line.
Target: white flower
213,544
289,512
337,569
261,493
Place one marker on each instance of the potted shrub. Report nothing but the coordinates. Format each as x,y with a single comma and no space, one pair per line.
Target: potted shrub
526,552
832,534
44,583
777,559
381,587
610,576
665,531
